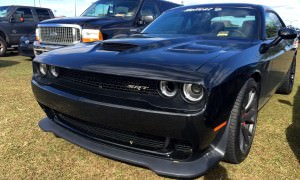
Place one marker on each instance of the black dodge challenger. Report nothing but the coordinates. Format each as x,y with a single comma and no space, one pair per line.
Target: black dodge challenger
177,98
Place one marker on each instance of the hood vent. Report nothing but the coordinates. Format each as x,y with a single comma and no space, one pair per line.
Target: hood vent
117,46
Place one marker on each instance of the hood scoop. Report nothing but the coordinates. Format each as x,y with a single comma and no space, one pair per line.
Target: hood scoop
108,46
196,48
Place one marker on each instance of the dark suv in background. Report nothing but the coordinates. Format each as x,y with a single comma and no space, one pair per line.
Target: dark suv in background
17,21
104,19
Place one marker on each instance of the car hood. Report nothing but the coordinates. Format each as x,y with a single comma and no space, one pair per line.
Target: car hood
165,58
88,22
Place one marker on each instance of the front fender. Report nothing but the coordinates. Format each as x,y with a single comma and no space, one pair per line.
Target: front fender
2,30
222,96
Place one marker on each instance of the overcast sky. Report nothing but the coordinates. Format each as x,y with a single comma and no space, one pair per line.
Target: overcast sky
289,10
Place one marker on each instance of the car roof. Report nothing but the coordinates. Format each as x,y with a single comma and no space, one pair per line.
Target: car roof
17,6
167,1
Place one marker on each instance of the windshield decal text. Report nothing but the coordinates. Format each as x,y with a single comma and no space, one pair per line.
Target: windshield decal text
198,9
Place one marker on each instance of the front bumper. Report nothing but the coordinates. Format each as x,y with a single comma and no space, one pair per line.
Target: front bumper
26,50
188,169
174,125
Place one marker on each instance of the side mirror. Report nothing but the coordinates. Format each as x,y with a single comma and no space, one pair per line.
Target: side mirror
284,33
287,33
146,20
12,20
16,19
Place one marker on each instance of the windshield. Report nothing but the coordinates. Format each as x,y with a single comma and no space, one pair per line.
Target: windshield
118,8
3,11
218,22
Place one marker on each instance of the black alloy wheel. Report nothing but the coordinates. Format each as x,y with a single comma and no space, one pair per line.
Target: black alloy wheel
288,82
248,121
292,75
242,123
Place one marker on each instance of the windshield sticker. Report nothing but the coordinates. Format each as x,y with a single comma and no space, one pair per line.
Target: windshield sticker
223,33
198,9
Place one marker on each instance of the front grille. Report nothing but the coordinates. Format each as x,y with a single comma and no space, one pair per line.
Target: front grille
160,146
110,82
117,46
59,35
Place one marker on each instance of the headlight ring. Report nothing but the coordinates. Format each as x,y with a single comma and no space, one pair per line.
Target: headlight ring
43,69
54,71
168,89
193,92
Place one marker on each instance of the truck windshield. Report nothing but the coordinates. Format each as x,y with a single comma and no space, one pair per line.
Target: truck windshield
3,11
210,22
117,8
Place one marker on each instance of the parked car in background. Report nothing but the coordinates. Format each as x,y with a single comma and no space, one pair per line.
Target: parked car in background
102,20
26,45
17,21
177,98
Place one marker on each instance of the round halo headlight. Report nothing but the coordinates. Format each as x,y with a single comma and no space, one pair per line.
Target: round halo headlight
43,69
193,92
54,71
168,89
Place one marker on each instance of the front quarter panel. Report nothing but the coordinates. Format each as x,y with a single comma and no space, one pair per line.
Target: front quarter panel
225,76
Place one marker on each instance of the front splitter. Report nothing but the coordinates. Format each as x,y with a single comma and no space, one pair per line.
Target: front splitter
164,167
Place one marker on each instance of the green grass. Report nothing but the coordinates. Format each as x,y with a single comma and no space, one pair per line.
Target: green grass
26,152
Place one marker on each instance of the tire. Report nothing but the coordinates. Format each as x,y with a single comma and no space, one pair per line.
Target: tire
288,83
3,47
242,123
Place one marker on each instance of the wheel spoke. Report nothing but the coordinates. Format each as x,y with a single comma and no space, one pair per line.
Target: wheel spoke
242,140
251,97
246,131
246,138
245,102
249,117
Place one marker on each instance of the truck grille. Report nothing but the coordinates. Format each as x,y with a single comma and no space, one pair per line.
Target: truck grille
110,82
59,35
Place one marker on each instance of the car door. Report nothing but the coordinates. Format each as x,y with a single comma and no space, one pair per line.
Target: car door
279,56
22,23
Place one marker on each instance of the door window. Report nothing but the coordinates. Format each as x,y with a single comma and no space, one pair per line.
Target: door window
273,25
24,13
43,14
